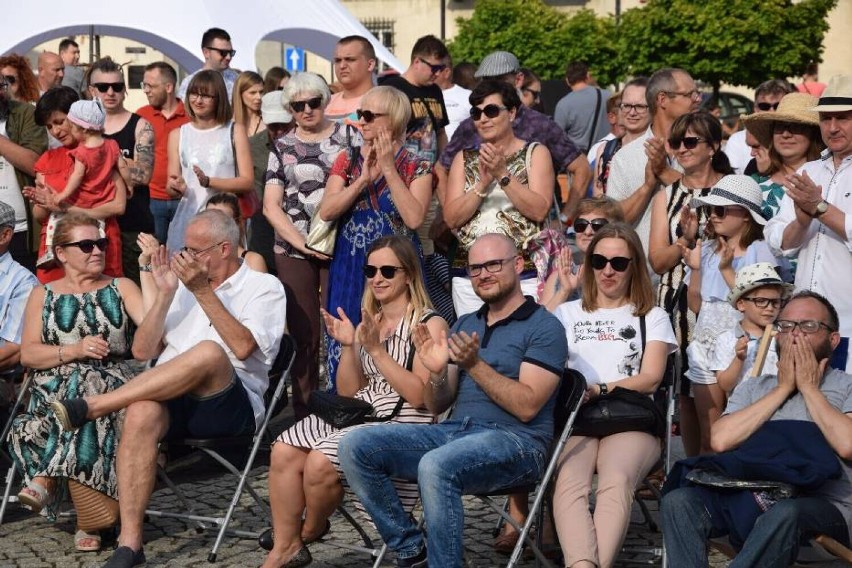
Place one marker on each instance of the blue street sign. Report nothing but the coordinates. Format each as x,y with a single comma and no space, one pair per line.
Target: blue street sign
294,59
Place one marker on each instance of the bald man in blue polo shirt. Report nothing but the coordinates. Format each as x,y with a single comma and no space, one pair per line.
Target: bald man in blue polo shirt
500,366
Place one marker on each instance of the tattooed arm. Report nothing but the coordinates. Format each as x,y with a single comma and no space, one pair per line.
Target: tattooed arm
138,170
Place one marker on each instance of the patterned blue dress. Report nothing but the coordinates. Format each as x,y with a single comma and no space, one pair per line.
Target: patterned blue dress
373,215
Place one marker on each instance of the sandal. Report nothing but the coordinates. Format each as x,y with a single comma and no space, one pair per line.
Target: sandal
34,496
87,542
506,541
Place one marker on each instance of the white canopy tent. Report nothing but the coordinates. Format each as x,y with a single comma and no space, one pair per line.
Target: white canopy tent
175,28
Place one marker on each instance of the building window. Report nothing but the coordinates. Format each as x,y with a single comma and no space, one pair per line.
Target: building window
382,28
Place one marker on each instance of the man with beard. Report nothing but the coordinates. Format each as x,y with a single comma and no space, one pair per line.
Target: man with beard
22,141
815,402
500,369
135,138
165,112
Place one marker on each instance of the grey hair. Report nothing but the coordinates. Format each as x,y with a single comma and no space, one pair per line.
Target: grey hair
306,83
662,81
220,227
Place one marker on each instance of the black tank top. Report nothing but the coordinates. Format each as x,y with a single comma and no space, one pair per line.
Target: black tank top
137,215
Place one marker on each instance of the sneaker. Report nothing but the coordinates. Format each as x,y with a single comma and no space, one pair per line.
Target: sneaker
71,412
417,561
125,557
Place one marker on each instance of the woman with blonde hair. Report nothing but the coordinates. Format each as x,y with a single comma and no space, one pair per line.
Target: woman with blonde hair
377,366
248,92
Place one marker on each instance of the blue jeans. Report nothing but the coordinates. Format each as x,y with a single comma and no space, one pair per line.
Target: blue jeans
163,211
448,460
772,543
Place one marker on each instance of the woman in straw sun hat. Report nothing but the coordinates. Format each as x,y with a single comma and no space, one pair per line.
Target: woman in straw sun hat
792,137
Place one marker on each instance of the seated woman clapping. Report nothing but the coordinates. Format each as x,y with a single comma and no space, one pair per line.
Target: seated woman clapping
377,365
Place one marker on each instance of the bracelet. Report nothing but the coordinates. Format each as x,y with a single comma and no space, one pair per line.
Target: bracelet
441,380
483,195
61,360
145,267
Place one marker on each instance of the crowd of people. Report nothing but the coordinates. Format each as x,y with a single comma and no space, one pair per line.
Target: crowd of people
408,231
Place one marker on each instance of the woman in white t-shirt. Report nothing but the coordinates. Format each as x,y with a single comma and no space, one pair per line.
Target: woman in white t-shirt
605,344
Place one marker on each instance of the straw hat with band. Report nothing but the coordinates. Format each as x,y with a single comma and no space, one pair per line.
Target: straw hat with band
735,190
794,107
754,276
837,96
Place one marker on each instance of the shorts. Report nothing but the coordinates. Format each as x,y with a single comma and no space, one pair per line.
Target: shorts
220,415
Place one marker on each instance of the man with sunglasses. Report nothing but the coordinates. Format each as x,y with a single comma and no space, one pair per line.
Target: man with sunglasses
135,138
767,95
218,52
214,327
499,370
801,415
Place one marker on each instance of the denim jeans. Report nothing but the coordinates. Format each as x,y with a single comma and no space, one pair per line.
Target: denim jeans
163,211
448,460
772,543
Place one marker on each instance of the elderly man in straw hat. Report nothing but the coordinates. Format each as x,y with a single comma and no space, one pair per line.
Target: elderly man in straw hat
812,223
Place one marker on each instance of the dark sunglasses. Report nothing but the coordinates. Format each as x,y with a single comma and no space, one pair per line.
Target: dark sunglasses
11,79
368,115
299,106
491,111
720,211
437,68
768,106
580,225
791,127
536,94
618,263
387,271
88,245
689,142
104,87
223,52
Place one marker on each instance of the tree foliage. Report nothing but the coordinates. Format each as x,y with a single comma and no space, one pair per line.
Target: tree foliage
741,42
543,38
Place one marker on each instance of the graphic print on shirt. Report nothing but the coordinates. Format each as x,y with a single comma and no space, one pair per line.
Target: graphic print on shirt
607,330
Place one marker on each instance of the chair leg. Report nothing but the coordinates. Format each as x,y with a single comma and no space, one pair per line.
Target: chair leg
10,479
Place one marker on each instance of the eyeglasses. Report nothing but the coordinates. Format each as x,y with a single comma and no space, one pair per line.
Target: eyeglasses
88,245
368,115
10,79
223,52
299,106
104,87
436,68
387,271
196,253
763,302
767,106
689,142
792,127
618,263
688,94
805,326
580,225
492,266
638,109
535,94
147,86
720,211
491,111
203,97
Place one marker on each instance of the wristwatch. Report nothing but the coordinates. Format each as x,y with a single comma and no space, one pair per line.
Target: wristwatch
505,180
821,208
604,390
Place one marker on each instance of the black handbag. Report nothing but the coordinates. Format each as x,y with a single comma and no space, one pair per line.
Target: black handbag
621,410
343,411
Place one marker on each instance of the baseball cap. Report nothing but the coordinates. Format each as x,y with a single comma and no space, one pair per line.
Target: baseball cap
272,109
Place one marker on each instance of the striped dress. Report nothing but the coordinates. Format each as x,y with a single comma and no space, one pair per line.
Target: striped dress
314,433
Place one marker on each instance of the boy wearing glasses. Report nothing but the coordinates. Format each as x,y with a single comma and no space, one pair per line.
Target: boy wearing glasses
218,52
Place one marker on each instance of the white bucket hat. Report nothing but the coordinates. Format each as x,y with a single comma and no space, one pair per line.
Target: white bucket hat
735,190
754,276
88,114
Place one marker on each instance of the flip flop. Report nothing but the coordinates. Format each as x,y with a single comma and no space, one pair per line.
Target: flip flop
87,542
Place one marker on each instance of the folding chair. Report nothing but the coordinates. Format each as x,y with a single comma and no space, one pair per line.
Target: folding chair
7,427
278,375
568,400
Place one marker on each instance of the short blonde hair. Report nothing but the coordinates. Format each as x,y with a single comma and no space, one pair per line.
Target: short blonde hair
306,83
393,102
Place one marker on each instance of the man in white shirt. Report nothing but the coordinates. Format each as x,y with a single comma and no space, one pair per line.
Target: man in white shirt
215,327
814,222
218,52
16,282
455,97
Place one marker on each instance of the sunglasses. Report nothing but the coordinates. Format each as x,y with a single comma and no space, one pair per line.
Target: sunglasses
299,106
387,271
437,68
104,87
689,142
11,79
368,115
535,94
618,263
768,106
223,52
580,225
491,111
88,245
720,211
791,127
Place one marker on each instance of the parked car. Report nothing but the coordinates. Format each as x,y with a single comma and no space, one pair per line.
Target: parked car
731,105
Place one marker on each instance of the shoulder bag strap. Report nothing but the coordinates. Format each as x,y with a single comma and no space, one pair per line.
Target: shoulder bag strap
594,119
642,333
